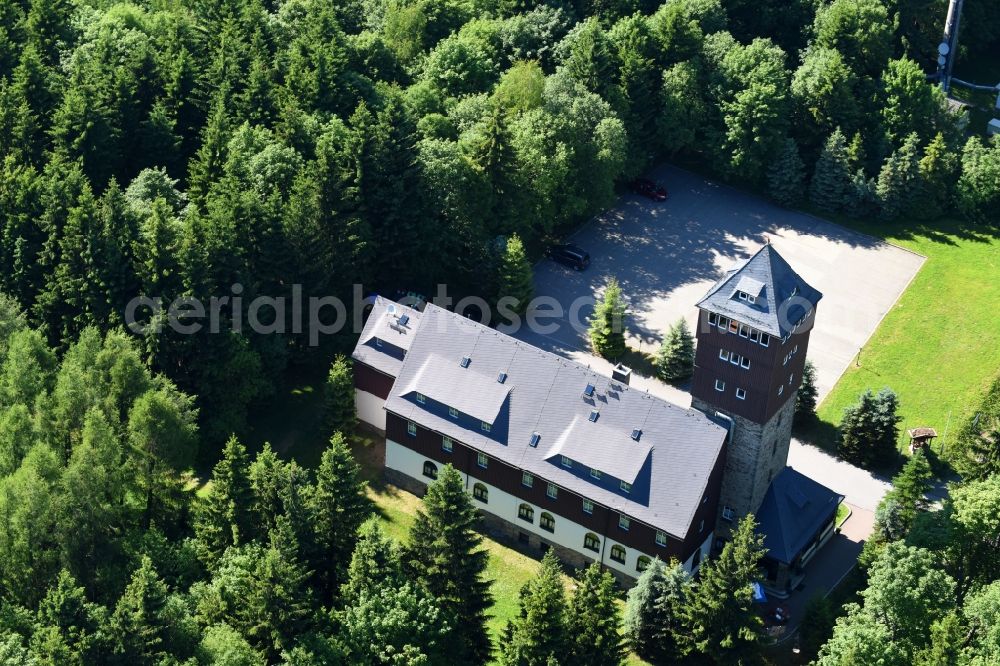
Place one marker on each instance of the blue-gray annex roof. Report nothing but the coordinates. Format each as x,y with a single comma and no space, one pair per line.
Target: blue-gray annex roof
669,467
782,298
794,508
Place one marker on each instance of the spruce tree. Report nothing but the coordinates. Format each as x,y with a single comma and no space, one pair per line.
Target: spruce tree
938,169
538,635
675,358
869,429
139,623
68,627
607,325
516,279
786,176
860,197
899,180
446,558
832,175
719,617
805,400
594,620
341,414
653,611
374,563
224,518
338,508
911,485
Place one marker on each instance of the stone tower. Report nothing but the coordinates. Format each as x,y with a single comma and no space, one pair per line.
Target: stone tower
753,336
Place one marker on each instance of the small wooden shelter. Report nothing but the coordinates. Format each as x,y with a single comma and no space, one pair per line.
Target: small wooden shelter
921,437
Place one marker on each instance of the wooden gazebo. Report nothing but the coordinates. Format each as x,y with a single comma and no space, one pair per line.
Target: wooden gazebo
921,437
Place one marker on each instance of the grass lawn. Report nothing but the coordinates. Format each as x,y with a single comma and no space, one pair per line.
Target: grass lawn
938,348
843,513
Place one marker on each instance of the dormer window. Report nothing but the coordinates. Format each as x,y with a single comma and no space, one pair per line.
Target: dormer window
420,398
484,426
595,473
378,342
452,412
744,296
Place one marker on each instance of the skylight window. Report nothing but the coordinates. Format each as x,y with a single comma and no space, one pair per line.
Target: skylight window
636,434
534,439
465,361
502,377
589,391
404,320
593,415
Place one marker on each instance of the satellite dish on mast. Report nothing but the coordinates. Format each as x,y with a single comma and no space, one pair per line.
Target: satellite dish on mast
944,49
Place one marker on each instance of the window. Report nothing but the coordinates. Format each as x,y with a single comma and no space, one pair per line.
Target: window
618,553
592,542
566,462
378,342
735,359
723,354
661,538
751,299
754,335
525,512
420,398
595,473
741,394
465,361
720,385
781,389
625,486
501,377
734,327
765,339
724,323
642,563
484,426
547,522
728,514
742,294
552,491
785,362
447,444
624,522
480,492
527,479
745,363
452,412
713,319
411,428
744,331
482,460
594,414
588,506
430,470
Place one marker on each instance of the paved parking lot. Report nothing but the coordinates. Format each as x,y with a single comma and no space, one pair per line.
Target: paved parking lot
667,255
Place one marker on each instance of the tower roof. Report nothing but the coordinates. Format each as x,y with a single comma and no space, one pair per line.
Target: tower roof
763,292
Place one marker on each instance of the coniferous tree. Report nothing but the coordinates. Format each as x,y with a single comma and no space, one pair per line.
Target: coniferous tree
341,414
593,621
516,278
675,358
978,442
860,198
338,507
817,625
139,623
719,618
653,611
805,400
911,485
68,627
786,176
938,169
869,429
899,180
832,175
538,635
607,324
374,563
977,194
445,557
225,516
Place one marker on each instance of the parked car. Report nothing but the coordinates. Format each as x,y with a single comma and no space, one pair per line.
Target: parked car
569,255
649,189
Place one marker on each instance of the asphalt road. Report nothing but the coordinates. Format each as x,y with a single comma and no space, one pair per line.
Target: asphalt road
666,256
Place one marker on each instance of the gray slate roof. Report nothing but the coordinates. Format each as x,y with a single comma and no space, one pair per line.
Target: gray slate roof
444,380
794,508
669,466
383,324
783,297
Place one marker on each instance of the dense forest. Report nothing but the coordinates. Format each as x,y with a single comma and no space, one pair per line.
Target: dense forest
181,147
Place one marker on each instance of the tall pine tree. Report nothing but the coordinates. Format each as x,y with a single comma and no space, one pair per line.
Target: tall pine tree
538,635
675,358
607,324
516,279
653,611
832,175
786,176
445,557
224,518
593,622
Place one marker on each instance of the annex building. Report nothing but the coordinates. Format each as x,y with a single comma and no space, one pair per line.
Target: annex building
558,456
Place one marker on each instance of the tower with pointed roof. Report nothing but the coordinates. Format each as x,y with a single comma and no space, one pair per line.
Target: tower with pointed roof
753,336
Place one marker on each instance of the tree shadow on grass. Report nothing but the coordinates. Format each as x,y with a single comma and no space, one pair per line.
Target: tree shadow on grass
816,432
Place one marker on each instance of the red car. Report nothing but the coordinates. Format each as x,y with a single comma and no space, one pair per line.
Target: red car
649,189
